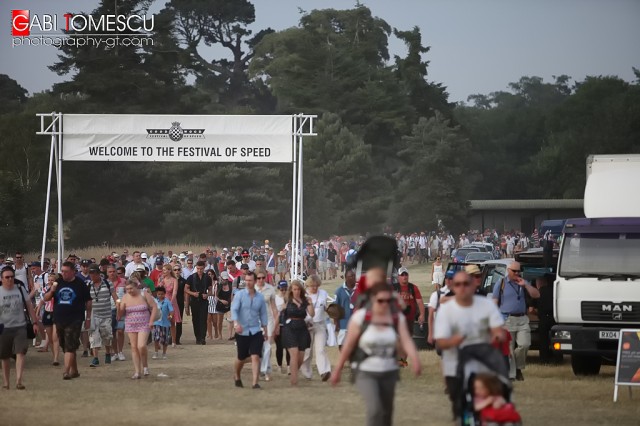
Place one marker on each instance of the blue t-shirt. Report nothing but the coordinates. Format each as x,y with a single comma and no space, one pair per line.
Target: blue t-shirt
165,309
513,297
343,298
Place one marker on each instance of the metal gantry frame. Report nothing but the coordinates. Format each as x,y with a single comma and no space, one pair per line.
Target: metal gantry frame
51,124
303,126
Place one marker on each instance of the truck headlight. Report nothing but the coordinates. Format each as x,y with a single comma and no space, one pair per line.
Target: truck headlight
562,335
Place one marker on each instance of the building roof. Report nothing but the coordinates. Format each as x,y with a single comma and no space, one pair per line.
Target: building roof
526,204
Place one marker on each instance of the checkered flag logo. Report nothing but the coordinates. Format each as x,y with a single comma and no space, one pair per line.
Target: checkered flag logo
175,131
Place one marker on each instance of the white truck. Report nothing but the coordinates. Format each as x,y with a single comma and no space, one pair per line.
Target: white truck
597,289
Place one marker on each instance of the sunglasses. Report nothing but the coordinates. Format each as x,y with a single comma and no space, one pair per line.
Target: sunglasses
404,274
177,270
120,273
515,271
18,257
283,289
261,278
461,284
383,300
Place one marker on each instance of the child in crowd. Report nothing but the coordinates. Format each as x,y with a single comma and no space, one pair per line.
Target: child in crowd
162,327
489,402
211,299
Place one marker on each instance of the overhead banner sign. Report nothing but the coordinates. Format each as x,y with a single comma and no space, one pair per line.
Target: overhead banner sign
178,138
628,362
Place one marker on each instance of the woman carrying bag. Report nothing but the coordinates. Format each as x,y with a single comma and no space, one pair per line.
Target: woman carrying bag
16,314
141,312
374,334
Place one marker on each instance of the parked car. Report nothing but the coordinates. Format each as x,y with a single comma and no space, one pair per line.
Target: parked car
532,265
488,247
478,257
461,254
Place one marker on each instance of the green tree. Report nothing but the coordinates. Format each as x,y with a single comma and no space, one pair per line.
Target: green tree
229,203
431,187
343,190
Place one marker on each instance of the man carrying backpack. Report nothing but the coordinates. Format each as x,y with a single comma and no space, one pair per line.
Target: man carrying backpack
410,294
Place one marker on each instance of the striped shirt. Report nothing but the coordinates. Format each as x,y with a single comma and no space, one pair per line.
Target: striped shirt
101,299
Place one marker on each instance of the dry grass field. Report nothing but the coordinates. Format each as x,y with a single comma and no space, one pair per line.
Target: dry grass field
199,390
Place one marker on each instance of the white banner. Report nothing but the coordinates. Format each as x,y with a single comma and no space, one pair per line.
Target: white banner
178,138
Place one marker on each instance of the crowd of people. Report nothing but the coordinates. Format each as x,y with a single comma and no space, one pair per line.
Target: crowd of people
425,246
92,305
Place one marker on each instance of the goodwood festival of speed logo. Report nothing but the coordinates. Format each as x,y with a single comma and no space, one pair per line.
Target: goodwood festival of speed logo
175,133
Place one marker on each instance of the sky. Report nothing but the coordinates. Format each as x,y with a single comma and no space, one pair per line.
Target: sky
477,46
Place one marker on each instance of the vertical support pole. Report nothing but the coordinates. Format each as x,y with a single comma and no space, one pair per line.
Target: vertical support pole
58,158
294,210
300,236
47,203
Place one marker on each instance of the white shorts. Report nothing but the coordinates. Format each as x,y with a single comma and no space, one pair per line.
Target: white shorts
271,328
322,265
342,334
101,330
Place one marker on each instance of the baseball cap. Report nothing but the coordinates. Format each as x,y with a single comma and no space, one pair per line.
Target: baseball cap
403,270
159,260
189,253
144,255
94,268
472,270
449,275
225,249
9,260
283,284
140,268
245,253
85,262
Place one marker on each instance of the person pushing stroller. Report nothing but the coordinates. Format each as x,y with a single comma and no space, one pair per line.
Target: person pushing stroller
464,330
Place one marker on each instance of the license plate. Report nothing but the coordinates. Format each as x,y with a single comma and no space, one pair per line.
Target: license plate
610,335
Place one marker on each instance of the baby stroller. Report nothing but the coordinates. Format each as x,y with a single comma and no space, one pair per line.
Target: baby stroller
493,360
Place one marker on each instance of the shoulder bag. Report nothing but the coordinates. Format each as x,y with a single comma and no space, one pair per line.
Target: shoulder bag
30,333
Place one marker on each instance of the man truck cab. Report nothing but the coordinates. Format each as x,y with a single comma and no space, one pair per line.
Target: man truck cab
597,289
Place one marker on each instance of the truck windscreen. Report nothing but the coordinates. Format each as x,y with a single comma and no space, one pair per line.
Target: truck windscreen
600,254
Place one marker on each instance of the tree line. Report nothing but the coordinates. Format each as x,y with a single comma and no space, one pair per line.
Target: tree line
392,152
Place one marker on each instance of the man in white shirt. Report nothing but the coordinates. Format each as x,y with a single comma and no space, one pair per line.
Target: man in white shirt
466,320
135,262
422,245
269,293
188,268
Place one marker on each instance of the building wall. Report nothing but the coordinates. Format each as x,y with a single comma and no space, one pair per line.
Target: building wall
518,220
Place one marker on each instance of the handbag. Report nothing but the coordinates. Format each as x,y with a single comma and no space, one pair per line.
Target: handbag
158,314
30,333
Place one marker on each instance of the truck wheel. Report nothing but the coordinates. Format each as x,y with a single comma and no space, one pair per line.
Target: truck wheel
584,365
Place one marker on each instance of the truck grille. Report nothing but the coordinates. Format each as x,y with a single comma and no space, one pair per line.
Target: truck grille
611,312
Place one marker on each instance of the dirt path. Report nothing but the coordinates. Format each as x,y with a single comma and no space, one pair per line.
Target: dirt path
199,390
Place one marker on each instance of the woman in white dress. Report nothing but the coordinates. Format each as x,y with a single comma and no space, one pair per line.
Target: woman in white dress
437,272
